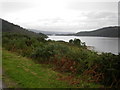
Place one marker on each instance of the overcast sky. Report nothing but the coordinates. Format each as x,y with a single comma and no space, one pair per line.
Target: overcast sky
61,15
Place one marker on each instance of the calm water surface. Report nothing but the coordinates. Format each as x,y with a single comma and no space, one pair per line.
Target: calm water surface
100,44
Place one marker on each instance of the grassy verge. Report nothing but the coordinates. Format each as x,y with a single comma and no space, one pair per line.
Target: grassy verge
20,72
0,66
26,73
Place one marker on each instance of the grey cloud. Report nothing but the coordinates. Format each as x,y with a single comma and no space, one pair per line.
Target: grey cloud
101,15
57,20
95,6
96,15
119,13
8,7
94,21
51,20
102,18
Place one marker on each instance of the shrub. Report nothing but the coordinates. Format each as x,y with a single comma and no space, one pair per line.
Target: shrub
47,52
110,65
77,42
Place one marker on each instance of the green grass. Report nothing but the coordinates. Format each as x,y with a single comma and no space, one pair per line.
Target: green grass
24,73
0,63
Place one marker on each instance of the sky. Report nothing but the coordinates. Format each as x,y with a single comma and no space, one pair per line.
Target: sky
60,15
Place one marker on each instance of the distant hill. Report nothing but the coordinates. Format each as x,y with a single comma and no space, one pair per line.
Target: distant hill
12,28
48,32
103,32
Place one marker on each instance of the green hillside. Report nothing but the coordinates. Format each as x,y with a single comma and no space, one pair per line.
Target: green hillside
103,32
8,27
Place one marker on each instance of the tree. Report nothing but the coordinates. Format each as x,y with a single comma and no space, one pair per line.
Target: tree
83,44
77,42
71,41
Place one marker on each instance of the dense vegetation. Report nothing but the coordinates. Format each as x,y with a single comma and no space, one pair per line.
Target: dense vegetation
72,57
